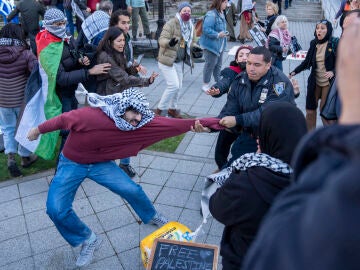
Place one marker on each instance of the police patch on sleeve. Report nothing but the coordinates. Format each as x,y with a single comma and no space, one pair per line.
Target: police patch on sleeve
279,88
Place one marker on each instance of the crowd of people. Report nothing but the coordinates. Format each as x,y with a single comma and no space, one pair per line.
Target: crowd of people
278,187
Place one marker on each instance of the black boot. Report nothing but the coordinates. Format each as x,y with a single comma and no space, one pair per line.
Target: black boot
12,167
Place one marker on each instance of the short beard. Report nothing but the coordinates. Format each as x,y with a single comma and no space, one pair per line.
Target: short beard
242,65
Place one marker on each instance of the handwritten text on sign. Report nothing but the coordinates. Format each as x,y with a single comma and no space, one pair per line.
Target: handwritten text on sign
176,255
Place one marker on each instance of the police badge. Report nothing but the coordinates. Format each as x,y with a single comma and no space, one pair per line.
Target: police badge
279,88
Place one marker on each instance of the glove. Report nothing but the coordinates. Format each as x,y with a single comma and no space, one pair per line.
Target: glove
173,42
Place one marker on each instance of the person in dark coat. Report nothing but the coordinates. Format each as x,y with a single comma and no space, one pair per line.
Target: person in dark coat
314,224
228,74
31,11
320,58
245,197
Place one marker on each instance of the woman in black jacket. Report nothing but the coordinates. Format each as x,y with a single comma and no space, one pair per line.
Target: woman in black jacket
320,58
255,180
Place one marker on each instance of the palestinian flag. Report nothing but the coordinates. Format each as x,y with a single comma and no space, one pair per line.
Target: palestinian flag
41,101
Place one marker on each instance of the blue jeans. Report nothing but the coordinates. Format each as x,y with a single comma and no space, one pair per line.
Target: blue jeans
212,66
68,178
8,119
70,23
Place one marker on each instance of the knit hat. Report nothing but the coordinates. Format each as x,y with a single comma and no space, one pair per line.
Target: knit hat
53,15
245,47
182,5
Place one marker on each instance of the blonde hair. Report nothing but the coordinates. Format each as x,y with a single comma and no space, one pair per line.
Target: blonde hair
273,6
279,19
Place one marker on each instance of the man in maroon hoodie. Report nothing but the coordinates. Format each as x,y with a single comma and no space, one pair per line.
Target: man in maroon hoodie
121,128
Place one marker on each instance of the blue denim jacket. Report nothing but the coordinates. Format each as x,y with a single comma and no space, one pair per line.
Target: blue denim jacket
214,23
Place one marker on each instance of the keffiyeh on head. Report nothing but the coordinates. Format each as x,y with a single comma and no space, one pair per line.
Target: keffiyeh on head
53,15
115,106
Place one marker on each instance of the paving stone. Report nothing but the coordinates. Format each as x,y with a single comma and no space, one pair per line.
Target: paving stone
24,264
152,191
12,227
208,168
58,258
173,197
33,187
112,263
125,238
194,201
156,177
189,167
9,193
130,259
199,184
83,207
10,209
116,217
197,150
105,201
93,223
34,202
216,228
37,220
182,181
163,163
46,239
14,249
204,139
142,160
92,188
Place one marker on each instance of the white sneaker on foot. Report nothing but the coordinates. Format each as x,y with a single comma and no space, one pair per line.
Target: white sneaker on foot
205,87
158,220
87,250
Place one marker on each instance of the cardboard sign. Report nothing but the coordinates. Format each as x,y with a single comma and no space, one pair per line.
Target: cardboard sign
170,254
258,35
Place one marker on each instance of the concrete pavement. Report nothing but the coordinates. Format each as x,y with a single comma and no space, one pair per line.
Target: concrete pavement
28,238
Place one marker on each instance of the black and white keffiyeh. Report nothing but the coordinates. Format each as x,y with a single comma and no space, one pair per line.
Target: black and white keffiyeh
96,23
251,160
11,42
115,106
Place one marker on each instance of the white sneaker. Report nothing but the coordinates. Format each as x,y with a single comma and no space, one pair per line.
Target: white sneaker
205,87
158,220
87,250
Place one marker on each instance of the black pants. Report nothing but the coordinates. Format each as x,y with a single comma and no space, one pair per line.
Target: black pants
222,148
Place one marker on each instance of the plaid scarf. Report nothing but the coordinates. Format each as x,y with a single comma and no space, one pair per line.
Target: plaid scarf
251,160
95,24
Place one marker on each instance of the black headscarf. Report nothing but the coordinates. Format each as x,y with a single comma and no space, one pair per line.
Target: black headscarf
281,127
328,33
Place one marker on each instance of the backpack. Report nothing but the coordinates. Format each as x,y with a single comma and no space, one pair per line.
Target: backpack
199,26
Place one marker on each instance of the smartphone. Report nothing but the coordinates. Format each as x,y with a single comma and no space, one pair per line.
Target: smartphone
139,58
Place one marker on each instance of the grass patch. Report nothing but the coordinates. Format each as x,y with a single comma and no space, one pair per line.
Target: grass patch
168,145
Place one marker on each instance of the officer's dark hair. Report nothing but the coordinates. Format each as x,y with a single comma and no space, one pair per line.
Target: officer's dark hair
106,6
114,19
261,50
